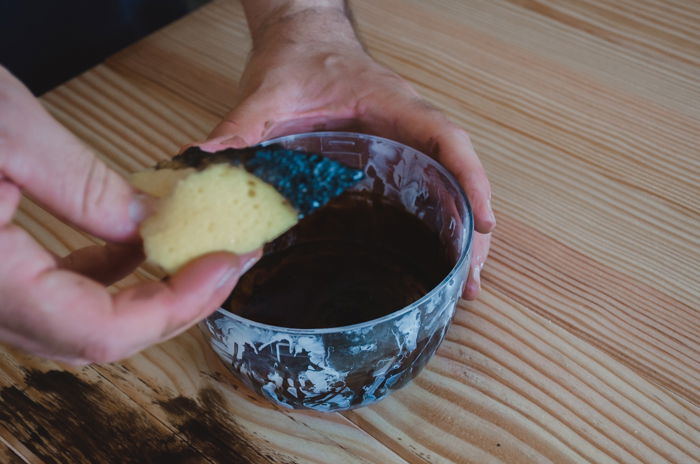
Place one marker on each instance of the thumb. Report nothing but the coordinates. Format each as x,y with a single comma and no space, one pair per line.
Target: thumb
47,161
244,126
157,311
197,294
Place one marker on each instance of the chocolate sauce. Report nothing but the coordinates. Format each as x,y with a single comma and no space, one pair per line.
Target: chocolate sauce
356,259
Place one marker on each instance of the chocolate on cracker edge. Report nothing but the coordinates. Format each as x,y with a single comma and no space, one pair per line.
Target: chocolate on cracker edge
308,181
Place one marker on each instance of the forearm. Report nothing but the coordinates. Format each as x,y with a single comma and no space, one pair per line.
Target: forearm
301,22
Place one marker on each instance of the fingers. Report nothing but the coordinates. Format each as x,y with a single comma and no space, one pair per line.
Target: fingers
44,159
9,199
156,311
261,118
419,125
480,250
416,123
63,315
85,323
455,151
105,264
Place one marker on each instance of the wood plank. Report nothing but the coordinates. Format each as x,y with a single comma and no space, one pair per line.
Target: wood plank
626,70
620,200
509,386
644,26
632,321
8,455
584,346
202,419
202,55
216,55
165,379
100,107
13,442
70,415
173,401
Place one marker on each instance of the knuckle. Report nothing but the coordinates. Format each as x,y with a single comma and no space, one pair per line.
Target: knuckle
100,350
456,130
95,185
461,131
8,145
405,86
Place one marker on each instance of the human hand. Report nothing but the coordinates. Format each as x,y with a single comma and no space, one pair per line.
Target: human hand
308,72
59,308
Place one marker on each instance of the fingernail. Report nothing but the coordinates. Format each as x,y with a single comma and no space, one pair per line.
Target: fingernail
235,142
477,275
140,207
492,217
472,288
185,147
225,141
211,145
476,280
231,274
218,139
247,264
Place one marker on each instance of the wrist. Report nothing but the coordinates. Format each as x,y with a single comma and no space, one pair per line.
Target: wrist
300,23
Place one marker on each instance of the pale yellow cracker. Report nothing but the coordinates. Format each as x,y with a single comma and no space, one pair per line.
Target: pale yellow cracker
221,208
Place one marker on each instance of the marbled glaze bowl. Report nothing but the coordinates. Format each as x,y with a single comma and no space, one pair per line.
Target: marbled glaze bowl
341,368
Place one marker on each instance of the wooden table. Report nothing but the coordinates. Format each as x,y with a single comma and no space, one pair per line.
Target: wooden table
585,343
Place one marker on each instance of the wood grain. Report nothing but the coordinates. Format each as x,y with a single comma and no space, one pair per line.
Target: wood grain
187,367
9,456
536,136
512,373
630,24
585,343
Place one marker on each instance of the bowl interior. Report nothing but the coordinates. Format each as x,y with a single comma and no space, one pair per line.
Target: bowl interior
401,175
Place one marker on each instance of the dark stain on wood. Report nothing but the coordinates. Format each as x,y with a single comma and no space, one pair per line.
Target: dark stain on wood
7,456
62,418
207,424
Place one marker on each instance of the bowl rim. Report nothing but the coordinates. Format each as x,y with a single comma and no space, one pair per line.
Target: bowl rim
464,254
